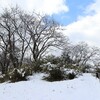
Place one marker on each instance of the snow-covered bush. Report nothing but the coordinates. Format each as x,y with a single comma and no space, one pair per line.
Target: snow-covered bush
52,59
97,70
36,66
97,73
18,75
4,78
1,78
55,75
71,75
47,67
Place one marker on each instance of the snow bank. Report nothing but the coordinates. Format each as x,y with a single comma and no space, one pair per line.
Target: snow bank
85,87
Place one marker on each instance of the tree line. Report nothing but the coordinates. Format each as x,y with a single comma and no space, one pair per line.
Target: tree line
24,35
26,38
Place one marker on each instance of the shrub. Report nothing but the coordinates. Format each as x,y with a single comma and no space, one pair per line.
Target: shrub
52,59
55,75
4,78
17,75
48,67
97,72
1,79
71,75
36,66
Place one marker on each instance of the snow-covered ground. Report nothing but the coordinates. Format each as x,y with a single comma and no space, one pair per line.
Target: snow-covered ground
85,87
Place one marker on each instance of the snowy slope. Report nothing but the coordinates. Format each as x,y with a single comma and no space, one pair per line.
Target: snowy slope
85,87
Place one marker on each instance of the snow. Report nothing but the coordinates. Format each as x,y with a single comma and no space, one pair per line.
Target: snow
48,66
86,87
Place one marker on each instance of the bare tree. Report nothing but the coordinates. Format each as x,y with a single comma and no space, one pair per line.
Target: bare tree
13,37
6,35
44,32
21,32
81,53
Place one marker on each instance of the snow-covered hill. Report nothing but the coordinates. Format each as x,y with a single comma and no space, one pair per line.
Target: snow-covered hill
85,87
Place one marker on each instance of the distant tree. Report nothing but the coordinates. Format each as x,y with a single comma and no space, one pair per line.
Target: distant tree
81,54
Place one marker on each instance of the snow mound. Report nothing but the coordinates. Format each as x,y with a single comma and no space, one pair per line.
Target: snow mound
85,87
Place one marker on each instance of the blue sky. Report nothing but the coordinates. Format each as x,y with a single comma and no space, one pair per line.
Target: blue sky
76,8
79,18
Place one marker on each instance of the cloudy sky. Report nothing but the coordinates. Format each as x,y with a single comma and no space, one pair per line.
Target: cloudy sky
80,18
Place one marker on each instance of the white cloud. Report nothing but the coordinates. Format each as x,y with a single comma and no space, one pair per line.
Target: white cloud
47,6
87,28
43,6
93,7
